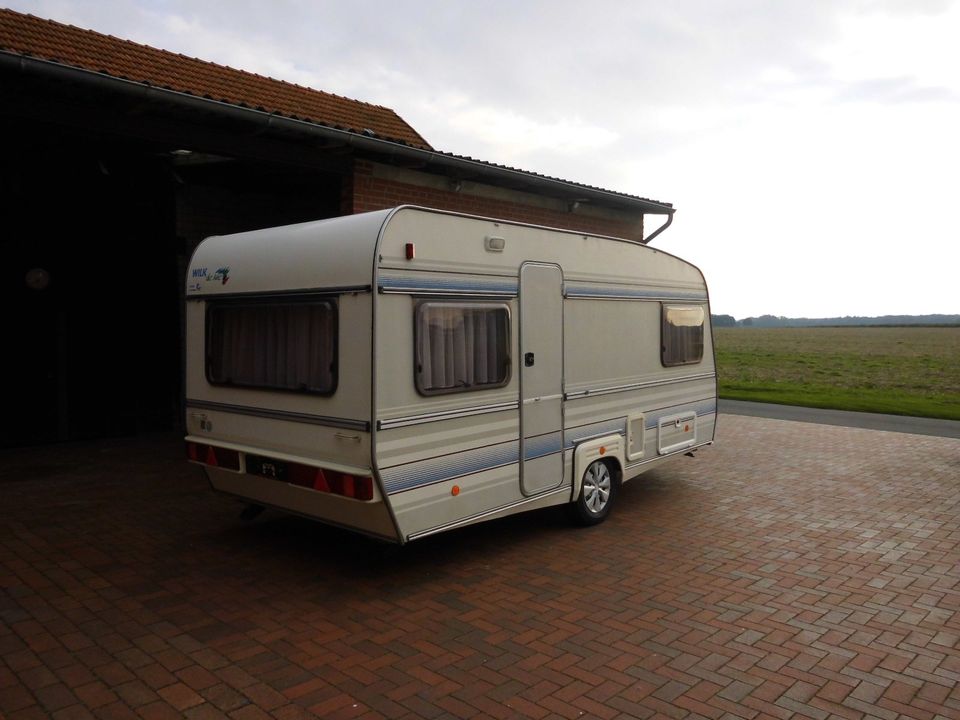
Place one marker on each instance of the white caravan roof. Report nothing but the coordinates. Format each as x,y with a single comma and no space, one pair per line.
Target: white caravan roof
324,254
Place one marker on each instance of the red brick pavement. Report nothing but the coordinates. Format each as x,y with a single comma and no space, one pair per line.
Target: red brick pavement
792,571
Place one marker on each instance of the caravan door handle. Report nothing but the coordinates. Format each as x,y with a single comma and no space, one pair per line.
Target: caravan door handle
528,359
530,401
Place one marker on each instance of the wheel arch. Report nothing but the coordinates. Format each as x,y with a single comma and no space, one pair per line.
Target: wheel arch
609,448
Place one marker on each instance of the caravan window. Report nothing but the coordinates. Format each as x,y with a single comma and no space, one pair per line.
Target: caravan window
681,334
461,346
273,343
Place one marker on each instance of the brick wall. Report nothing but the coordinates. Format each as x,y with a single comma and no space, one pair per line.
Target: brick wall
375,187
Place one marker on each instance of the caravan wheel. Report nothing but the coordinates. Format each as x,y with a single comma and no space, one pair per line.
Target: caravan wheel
598,490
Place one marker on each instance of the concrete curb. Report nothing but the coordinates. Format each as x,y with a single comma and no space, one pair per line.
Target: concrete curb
845,418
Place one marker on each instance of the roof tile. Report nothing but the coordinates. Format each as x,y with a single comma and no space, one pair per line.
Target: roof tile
68,45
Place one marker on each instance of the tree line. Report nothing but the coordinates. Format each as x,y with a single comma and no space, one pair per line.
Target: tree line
770,321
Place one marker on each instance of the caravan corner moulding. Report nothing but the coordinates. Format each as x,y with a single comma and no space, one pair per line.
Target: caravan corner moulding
332,373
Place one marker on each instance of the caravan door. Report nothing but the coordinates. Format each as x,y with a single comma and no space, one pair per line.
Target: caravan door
541,377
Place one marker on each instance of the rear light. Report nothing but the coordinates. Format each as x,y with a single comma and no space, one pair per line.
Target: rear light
319,479
213,456
312,477
330,481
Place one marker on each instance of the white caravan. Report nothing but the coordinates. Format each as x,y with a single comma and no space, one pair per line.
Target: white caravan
409,371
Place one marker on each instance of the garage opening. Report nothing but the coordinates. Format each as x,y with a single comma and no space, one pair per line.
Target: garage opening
98,233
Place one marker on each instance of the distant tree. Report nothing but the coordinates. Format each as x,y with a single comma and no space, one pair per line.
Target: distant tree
766,321
723,320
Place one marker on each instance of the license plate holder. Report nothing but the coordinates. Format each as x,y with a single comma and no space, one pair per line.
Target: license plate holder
267,467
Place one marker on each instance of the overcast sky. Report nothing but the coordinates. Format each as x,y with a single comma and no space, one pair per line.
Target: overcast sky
811,147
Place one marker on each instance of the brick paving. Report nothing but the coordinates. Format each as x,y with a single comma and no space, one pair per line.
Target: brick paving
792,571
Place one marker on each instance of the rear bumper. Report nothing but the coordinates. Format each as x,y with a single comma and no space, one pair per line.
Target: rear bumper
371,517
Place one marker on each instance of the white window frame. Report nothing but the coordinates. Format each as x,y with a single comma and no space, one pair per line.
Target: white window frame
502,354
674,350
297,365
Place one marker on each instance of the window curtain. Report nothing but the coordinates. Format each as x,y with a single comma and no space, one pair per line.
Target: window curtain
462,347
288,346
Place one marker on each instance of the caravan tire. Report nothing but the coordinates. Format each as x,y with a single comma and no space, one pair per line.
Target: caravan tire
598,491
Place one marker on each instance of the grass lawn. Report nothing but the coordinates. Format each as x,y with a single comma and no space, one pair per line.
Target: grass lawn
896,370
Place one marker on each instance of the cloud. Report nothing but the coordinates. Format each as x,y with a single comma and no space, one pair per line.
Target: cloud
519,135
895,90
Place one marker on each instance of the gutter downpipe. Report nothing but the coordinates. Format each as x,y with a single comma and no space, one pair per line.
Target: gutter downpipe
660,229
28,65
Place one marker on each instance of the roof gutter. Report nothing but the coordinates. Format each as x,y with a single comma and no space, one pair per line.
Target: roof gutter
144,91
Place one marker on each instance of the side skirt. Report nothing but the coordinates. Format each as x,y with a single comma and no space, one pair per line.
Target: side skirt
559,496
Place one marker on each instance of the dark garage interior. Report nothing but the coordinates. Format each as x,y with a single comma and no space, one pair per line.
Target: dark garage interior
99,231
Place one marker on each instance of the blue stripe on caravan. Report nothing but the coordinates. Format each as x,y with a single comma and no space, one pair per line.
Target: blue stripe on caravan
542,445
626,291
426,472
572,436
705,407
405,283
416,474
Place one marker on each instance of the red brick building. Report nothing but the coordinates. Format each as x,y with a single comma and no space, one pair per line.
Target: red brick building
121,157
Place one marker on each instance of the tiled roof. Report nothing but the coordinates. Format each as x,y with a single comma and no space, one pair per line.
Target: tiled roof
67,45
550,178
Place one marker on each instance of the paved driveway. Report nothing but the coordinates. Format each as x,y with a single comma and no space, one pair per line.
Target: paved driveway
794,570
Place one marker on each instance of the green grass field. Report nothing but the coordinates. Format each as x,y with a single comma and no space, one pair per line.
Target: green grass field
897,370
